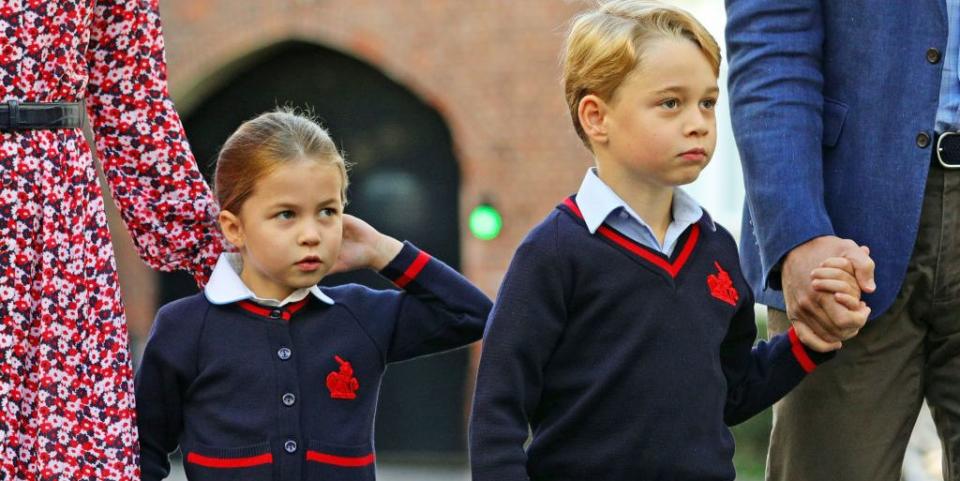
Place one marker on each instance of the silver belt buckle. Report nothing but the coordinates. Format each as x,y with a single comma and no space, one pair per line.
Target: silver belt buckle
940,150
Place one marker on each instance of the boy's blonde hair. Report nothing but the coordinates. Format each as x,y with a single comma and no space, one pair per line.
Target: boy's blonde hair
262,144
606,44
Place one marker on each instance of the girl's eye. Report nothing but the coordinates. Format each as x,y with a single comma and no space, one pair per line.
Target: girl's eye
284,214
670,103
328,212
709,104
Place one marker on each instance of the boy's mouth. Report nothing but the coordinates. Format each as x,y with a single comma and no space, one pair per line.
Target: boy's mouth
695,154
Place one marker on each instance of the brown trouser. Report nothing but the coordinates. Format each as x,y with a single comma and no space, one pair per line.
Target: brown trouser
851,419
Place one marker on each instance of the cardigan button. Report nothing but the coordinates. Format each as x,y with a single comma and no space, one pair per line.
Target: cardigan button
933,55
923,140
289,399
290,446
284,353
275,314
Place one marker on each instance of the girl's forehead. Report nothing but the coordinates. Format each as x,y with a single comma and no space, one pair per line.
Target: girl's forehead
304,180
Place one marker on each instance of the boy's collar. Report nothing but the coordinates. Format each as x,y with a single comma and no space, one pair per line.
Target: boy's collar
597,201
226,287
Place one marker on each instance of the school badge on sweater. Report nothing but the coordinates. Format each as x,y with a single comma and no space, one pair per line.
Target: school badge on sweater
721,286
342,384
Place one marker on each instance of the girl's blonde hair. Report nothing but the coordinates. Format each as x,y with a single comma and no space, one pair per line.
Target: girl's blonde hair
606,44
264,143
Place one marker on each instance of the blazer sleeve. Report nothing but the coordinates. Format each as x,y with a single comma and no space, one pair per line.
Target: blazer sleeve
153,177
776,102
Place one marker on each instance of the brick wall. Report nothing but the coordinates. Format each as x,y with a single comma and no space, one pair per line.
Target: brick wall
489,67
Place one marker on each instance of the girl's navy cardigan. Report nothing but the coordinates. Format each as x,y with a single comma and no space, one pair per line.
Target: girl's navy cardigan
259,393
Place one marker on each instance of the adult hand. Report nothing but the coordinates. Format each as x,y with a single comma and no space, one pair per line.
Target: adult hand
825,318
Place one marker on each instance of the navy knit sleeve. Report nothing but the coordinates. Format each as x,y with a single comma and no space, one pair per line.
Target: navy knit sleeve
439,308
759,376
525,325
167,369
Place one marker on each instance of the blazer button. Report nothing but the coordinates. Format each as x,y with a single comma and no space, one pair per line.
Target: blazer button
275,314
284,353
933,55
923,140
290,446
289,399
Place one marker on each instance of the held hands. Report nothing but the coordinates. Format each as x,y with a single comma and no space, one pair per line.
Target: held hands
823,299
364,247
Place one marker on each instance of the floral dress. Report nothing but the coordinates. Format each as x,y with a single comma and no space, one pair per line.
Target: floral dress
66,382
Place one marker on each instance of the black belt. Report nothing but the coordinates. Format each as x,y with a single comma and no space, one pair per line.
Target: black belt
16,115
946,152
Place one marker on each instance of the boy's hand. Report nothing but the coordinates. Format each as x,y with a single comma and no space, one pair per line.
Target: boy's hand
814,308
835,276
811,340
364,247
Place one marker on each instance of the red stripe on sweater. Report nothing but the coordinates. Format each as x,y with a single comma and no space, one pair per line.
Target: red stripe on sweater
800,352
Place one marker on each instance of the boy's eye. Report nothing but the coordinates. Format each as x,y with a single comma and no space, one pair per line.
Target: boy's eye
328,212
284,214
709,104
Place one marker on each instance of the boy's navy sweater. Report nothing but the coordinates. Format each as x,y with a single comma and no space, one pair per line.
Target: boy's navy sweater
627,365
257,393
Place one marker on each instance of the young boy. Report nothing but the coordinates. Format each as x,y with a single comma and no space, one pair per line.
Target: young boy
623,330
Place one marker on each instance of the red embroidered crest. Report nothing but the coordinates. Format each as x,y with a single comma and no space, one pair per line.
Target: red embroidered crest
721,286
342,384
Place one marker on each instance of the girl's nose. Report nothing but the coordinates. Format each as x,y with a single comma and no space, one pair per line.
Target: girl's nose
310,236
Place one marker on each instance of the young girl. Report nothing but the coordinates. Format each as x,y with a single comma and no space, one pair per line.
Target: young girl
264,375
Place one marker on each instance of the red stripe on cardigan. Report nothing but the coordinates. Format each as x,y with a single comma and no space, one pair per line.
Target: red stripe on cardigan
211,462
285,314
343,461
413,271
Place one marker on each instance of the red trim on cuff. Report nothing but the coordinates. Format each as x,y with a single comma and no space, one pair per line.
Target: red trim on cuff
413,271
210,462
800,352
343,461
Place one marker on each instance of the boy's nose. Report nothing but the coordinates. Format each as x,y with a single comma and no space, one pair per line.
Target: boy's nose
698,125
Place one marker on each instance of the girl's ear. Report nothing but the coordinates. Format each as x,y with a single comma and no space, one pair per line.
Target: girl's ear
232,228
592,113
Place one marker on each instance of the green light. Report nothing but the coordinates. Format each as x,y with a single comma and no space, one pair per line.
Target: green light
485,222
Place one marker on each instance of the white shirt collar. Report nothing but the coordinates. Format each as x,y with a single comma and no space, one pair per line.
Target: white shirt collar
597,201
226,287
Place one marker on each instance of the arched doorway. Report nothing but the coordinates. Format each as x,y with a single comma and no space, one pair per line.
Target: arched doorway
404,181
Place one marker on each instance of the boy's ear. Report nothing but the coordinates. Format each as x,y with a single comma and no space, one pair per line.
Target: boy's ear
592,111
232,228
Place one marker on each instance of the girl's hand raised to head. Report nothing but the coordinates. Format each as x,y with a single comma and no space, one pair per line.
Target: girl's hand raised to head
364,247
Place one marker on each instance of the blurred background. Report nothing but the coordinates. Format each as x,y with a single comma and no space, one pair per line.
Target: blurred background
453,116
